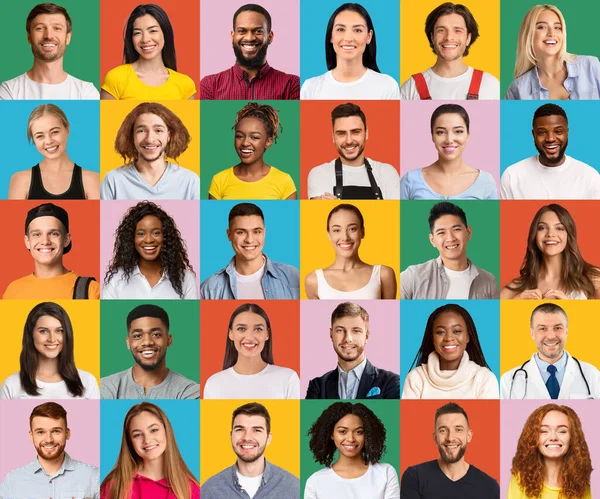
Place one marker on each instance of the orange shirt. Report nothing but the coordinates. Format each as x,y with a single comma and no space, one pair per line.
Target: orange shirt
54,288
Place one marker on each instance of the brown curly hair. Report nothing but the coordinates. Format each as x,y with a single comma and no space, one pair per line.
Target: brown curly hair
528,464
263,112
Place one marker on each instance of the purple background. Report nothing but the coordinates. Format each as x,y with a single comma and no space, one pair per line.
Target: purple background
317,355
83,417
216,53
514,413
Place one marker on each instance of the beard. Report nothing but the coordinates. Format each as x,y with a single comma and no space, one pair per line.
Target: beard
349,355
559,158
340,151
251,458
140,361
452,459
255,62
38,53
44,454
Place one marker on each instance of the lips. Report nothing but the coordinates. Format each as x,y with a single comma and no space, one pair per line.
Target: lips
450,348
150,447
552,149
449,149
249,47
348,48
51,149
148,352
148,48
451,247
346,246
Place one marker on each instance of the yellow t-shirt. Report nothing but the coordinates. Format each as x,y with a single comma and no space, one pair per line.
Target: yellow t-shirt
55,288
515,492
123,83
274,185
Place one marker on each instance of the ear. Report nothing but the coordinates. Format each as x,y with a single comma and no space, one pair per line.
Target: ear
169,340
67,240
232,35
366,133
269,438
269,142
469,435
26,241
230,335
370,37
228,232
69,37
331,333
127,343
367,334
431,239
67,434
468,39
270,37
470,231
30,436
363,232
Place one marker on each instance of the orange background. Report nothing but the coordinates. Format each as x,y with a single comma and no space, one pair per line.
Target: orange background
383,122
84,226
284,316
184,17
515,218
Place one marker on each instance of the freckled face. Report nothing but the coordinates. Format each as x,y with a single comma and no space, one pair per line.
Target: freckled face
555,435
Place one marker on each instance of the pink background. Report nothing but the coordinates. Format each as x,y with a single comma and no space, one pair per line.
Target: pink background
216,23
83,418
514,413
482,151
317,355
185,213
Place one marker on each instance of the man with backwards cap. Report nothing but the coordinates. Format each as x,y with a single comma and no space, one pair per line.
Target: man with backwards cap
47,239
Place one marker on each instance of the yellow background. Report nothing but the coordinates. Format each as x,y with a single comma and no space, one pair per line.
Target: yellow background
416,54
517,346
381,244
112,114
85,318
216,453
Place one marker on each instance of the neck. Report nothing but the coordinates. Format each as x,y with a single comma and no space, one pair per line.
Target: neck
155,64
252,168
251,469
348,365
251,72
552,267
46,366
449,69
151,378
48,271
249,365
552,469
549,360
450,167
350,462
158,165
349,70
358,161
47,72
153,469
51,466
454,471
57,164
347,263
248,267
456,265
449,365
149,267
551,67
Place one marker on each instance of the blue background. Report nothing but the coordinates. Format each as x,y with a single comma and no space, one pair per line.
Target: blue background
314,15
282,237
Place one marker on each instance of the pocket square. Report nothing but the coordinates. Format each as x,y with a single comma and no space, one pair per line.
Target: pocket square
373,392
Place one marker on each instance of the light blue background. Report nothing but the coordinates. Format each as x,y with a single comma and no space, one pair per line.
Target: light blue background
314,15
282,238
183,415
516,140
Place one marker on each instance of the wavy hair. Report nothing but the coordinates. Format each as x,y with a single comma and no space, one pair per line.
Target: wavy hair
528,464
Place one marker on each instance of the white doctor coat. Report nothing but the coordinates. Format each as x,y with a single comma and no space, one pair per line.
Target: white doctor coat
572,386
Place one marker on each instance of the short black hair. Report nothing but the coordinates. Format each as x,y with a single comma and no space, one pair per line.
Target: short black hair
148,310
347,110
450,109
253,409
452,8
450,408
549,109
252,7
245,210
445,208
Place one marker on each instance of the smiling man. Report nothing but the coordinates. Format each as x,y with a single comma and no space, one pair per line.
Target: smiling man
352,175
451,275
551,174
355,377
250,77
451,30
49,31
53,473
148,338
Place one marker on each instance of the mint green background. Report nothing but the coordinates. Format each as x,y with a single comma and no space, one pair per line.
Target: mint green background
217,152
483,249
183,356
580,17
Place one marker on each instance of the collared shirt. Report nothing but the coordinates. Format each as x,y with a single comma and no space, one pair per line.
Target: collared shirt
583,82
233,84
138,287
146,488
560,364
348,381
73,479
279,282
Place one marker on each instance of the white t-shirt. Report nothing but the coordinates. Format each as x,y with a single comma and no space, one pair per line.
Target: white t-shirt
138,287
249,287
249,483
22,87
11,388
321,179
529,179
371,85
273,382
452,88
379,482
460,283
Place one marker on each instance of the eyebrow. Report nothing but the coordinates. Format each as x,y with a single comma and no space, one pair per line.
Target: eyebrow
53,428
242,427
451,227
559,426
354,25
149,27
141,329
148,427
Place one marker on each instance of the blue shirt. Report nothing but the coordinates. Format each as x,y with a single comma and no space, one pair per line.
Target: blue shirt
413,186
583,82
73,479
279,282
560,365
348,381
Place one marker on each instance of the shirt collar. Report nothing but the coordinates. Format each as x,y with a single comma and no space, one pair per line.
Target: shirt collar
240,74
358,370
472,269
67,464
560,364
230,269
137,271
536,84
162,482
267,472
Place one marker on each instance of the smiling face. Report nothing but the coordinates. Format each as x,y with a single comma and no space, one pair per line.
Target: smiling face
249,334
548,36
48,37
148,39
349,336
148,436
349,435
551,137
247,236
450,136
49,437
450,38
349,137
250,39
551,236
251,140
350,35
48,337
149,238
452,434
450,338
345,232
49,136
549,331
450,237
148,340
555,435
249,437
151,137
46,240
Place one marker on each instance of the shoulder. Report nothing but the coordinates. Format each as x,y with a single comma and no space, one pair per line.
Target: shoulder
483,477
484,274
183,172
283,75
285,268
21,182
87,88
519,166
223,175
10,386
90,175
86,377
587,61
279,175
219,377
386,272
90,469
318,475
121,71
582,166
116,377
181,78
310,86
213,482
417,268
381,78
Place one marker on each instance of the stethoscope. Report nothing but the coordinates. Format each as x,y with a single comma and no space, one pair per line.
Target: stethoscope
522,369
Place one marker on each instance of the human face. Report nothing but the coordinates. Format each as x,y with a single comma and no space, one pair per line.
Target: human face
48,337
48,37
249,437
450,38
149,238
46,240
450,237
251,140
548,35
250,39
49,136
452,434
150,137
148,39
349,336
349,137
49,437
450,338
551,137
350,35
349,436
551,236
247,236
450,136
549,332
148,340
249,333
555,435
345,232
148,436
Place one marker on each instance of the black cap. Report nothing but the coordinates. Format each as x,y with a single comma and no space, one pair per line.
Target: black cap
49,210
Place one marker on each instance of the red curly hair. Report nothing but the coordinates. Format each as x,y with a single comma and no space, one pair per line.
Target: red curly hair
528,464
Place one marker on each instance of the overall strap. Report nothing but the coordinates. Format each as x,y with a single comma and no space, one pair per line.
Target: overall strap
475,85
374,186
421,85
339,181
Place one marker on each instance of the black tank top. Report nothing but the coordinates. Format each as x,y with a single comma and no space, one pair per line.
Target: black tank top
37,191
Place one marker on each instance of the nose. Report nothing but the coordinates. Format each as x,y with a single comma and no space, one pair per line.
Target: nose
348,337
52,337
550,137
147,340
351,437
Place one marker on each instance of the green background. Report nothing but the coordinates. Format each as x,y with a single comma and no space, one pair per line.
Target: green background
217,152
580,18
483,248
388,411
82,56
183,356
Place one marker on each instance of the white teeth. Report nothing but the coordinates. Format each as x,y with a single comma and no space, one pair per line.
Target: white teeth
452,247
451,347
150,448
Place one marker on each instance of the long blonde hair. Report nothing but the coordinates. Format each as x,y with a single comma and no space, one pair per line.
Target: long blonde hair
117,484
40,111
526,58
